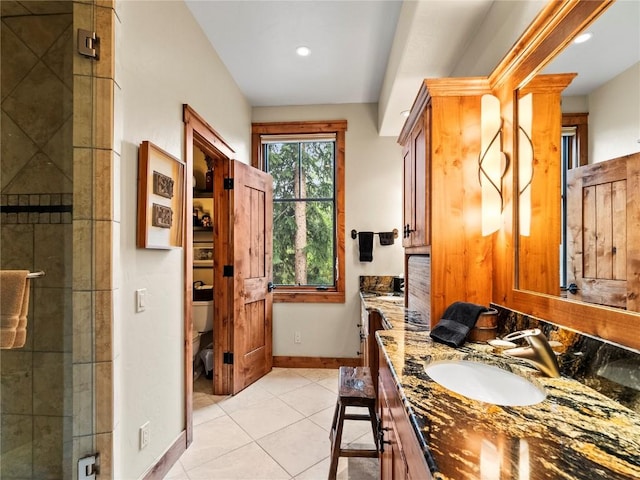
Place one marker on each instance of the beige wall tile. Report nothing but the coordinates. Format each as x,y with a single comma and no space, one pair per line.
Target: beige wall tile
82,255
104,396
59,57
102,185
83,183
103,110
40,104
17,378
117,205
47,446
16,65
53,253
102,255
68,466
82,327
82,111
83,18
103,326
68,390
17,150
83,446
47,7
51,319
41,30
106,3
104,442
83,399
17,447
48,385
105,21
17,247
59,149
12,8
39,175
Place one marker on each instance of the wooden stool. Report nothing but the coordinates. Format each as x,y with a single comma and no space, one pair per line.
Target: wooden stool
356,390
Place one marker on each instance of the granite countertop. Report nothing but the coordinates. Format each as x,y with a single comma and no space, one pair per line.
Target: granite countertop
575,433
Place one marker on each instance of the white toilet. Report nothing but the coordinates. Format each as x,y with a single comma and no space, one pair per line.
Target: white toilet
202,321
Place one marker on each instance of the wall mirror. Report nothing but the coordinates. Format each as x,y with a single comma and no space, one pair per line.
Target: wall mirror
578,186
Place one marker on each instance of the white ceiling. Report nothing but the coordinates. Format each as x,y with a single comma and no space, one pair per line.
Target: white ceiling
361,50
614,47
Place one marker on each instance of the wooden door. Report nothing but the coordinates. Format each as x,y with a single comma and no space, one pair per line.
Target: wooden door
602,232
251,210
242,232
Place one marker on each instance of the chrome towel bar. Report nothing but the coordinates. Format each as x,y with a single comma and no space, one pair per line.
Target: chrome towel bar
35,274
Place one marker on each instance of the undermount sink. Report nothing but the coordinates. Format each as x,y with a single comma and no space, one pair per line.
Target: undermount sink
485,383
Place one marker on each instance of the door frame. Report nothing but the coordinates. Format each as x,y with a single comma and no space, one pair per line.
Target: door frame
197,131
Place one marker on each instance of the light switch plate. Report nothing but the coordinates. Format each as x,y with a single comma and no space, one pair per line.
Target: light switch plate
141,300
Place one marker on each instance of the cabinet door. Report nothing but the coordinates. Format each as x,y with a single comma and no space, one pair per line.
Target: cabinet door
402,457
386,455
393,464
408,207
416,180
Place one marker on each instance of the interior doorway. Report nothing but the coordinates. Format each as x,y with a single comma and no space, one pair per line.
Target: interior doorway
231,242
202,265
204,148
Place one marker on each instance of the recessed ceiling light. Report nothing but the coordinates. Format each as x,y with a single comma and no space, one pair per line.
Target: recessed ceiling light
303,51
583,37
404,113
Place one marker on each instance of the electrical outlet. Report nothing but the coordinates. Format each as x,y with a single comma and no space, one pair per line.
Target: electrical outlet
145,435
297,338
141,300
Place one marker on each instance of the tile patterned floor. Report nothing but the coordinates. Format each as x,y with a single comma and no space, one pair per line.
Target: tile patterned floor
277,428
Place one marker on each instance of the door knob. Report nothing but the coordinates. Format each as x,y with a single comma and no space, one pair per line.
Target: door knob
270,287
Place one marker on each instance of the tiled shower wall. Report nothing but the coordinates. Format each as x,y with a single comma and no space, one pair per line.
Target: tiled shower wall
58,167
36,234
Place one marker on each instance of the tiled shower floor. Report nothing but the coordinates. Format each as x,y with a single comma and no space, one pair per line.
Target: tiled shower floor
277,428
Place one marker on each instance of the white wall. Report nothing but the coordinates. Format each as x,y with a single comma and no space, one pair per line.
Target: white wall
614,117
162,61
575,104
373,202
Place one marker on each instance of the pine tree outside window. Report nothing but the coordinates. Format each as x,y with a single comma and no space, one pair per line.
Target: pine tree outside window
306,161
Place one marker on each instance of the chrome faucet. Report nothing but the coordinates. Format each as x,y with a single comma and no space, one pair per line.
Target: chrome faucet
538,353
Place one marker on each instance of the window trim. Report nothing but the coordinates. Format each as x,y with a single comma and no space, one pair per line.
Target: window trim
309,294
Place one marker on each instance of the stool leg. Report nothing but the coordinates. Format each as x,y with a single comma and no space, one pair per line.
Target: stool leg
336,441
335,419
374,425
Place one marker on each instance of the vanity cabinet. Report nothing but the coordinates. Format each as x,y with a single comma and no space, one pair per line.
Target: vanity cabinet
401,456
442,194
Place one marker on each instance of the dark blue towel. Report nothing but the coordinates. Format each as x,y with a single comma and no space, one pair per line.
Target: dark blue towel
458,319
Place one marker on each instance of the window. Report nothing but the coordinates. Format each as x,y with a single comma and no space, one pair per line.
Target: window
306,160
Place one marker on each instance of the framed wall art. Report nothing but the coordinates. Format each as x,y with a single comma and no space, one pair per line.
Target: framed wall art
161,201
